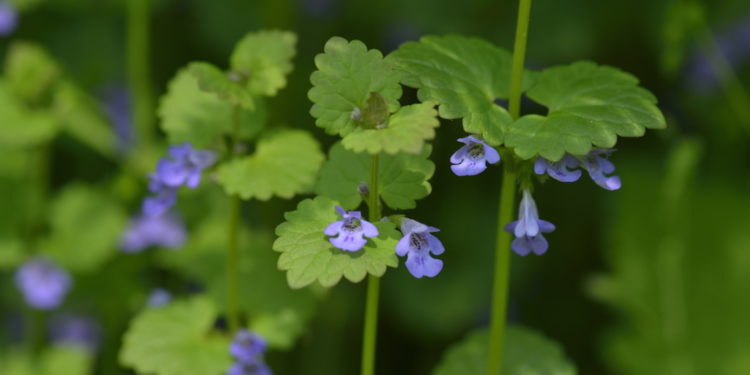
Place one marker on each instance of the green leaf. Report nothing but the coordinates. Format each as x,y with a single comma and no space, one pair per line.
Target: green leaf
347,75
402,178
265,58
55,360
20,127
176,340
589,106
406,131
85,228
277,313
525,352
214,80
284,164
307,255
81,118
464,76
30,71
189,114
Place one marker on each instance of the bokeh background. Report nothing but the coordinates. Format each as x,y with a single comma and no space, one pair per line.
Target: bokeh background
651,279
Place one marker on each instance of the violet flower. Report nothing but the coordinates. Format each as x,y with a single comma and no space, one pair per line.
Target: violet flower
418,243
598,168
8,18
563,170
472,158
43,284
351,230
528,228
144,231
247,348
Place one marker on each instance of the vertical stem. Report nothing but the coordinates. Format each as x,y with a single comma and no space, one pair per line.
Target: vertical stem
373,283
507,202
138,70
233,256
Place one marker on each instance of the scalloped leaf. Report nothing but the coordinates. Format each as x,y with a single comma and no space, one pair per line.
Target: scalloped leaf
189,114
214,80
307,255
277,313
589,106
526,352
265,59
284,164
176,339
20,127
85,228
464,76
402,178
347,75
30,70
406,131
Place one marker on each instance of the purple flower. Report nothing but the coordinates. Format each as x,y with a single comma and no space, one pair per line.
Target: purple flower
77,331
599,167
158,298
350,230
257,368
145,231
163,198
418,243
559,170
472,158
528,228
247,347
185,166
8,18
116,105
43,284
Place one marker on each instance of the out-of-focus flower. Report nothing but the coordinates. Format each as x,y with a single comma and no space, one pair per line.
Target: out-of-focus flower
350,230
8,18
43,284
158,298
116,105
75,330
185,166
418,243
144,231
528,228
247,348
472,158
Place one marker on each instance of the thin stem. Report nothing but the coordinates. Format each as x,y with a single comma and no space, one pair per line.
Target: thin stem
502,273
139,71
507,202
373,283
233,256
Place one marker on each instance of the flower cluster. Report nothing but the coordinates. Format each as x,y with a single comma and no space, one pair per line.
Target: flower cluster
472,159
596,163
43,284
183,167
417,241
247,349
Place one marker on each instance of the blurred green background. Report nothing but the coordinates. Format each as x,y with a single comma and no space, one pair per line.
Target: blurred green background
650,279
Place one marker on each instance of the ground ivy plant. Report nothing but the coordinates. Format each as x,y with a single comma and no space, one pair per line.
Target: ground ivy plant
215,120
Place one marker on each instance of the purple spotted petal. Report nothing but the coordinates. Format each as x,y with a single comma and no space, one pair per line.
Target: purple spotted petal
459,155
351,241
469,167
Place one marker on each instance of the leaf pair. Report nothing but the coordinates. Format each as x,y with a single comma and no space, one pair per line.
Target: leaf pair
589,105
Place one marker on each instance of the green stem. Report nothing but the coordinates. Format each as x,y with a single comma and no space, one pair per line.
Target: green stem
373,283
139,71
507,202
233,256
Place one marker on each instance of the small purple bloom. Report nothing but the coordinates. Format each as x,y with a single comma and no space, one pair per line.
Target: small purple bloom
116,105
247,347
185,166
77,331
559,170
145,231
418,243
599,167
528,228
43,284
257,368
350,230
8,18
158,298
472,158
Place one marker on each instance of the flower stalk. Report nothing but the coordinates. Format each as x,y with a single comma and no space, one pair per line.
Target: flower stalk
373,282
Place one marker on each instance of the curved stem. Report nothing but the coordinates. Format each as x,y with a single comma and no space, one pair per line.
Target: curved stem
507,202
373,283
233,256
138,70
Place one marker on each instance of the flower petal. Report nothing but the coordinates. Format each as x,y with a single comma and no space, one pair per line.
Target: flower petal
423,265
538,244
409,226
459,155
521,246
334,228
490,154
545,226
368,229
349,241
436,247
469,167
403,246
